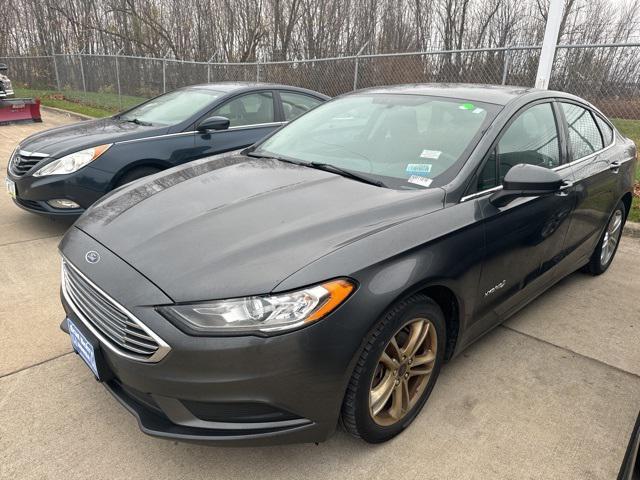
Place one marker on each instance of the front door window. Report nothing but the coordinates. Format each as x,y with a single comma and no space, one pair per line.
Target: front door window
250,109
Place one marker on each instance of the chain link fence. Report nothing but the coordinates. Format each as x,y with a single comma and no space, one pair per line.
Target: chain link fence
608,75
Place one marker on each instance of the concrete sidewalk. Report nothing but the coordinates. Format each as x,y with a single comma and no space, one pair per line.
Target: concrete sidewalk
551,394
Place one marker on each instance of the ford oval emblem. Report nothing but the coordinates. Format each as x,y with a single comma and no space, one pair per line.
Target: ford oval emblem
92,256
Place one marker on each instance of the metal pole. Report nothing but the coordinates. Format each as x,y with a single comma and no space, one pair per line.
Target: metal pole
355,70
355,75
84,84
209,69
118,78
505,70
55,69
554,18
164,72
257,71
164,75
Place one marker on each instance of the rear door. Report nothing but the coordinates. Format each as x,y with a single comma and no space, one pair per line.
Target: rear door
596,171
525,237
252,116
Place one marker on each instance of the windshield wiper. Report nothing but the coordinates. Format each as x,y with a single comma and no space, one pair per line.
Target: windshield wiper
137,121
280,159
328,167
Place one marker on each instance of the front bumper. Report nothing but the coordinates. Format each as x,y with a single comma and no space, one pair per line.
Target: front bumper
83,187
245,390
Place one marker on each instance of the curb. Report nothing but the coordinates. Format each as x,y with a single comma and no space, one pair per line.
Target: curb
632,229
77,116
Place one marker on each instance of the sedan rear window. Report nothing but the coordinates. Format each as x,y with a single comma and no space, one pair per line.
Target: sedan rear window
404,141
173,107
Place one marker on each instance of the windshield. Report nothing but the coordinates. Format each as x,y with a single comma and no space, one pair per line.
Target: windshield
406,141
172,108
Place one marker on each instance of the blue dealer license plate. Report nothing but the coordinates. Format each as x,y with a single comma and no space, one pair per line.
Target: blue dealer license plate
83,347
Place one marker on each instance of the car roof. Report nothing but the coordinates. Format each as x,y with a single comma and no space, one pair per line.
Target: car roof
496,94
233,87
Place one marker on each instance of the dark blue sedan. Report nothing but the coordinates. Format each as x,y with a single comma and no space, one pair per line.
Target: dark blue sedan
64,170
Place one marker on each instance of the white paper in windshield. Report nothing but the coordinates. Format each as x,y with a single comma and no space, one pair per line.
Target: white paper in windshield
418,180
433,154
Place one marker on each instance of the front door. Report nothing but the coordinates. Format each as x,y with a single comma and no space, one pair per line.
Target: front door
252,117
524,239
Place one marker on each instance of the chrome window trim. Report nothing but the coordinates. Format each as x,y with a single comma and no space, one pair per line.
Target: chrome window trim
555,169
193,132
480,194
254,125
166,135
163,347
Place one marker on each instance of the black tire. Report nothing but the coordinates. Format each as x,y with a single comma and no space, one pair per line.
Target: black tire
596,265
356,416
135,174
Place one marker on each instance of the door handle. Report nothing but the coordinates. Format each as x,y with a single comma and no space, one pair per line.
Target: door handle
614,166
563,191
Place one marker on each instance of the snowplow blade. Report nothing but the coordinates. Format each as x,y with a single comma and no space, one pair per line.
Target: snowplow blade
19,110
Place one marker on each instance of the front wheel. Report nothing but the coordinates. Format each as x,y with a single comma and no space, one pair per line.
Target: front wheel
396,370
608,244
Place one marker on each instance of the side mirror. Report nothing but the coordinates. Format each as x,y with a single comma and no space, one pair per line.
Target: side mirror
3,67
214,123
525,180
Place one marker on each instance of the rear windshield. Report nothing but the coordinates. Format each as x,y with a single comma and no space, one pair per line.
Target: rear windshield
405,141
172,108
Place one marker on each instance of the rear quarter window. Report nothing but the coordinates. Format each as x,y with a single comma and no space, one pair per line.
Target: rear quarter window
606,130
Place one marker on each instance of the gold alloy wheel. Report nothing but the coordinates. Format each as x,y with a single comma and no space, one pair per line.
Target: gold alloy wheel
403,371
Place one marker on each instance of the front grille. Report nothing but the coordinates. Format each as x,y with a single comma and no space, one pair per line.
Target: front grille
21,162
116,327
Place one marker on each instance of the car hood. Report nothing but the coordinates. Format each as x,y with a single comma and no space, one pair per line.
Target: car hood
78,136
234,226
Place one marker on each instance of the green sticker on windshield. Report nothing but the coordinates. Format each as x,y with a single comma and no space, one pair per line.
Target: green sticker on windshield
467,106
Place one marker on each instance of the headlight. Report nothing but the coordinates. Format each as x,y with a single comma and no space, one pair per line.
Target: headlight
283,311
72,162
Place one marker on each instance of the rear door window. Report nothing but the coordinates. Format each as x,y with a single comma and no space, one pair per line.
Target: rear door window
295,104
584,134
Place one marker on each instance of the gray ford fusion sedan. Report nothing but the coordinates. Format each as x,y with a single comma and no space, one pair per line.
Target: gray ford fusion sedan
324,275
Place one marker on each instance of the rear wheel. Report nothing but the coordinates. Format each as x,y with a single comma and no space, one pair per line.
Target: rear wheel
608,245
396,371
135,174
